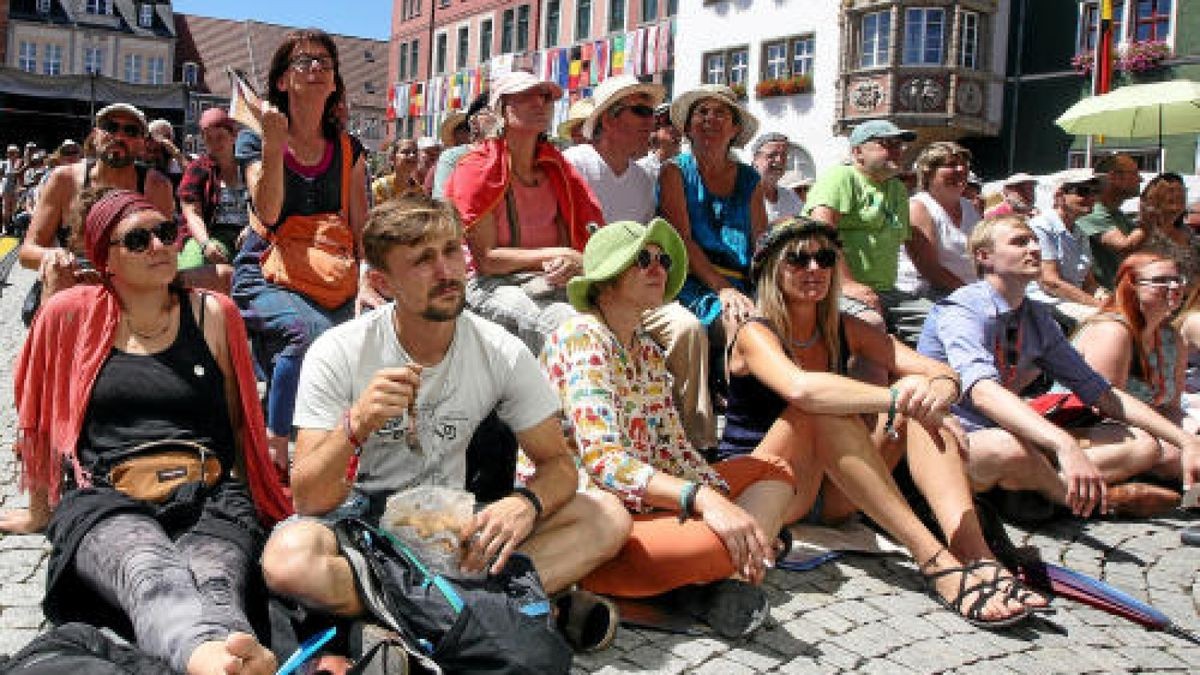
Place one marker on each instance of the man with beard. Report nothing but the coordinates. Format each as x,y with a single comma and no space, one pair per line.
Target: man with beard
119,139
869,206
770,152
389,400
1113,234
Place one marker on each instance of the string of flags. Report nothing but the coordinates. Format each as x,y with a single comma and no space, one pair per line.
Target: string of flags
577,69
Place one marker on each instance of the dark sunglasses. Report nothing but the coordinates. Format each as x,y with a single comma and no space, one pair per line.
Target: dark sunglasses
306,63
639,109
130,129
138,239
645,259
825,258
1082,190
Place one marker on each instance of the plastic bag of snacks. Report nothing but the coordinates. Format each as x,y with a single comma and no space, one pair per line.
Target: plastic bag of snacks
430,520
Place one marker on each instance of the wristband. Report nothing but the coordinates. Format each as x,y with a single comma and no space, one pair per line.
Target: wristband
352,465
951,379
687,500
890,425
532,497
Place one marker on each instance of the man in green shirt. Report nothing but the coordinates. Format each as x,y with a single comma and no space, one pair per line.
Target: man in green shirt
1112,234
868,205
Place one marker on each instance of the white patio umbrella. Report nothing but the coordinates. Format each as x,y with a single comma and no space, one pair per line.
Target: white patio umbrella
1137,111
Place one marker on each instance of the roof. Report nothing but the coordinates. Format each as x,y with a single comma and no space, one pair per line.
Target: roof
248,46
124,16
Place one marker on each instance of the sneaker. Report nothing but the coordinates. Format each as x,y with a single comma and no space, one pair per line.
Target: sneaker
732,608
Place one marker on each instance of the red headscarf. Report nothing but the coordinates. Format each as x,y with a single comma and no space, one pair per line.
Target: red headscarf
103,218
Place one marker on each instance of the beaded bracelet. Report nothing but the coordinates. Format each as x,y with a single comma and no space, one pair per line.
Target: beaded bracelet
352,465
687,500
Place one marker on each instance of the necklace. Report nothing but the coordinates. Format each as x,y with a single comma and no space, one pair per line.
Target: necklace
153,333
807,342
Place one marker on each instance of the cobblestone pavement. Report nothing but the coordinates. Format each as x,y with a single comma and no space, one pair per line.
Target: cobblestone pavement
860,614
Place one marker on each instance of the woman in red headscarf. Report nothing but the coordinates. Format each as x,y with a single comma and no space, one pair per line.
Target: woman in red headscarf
136,402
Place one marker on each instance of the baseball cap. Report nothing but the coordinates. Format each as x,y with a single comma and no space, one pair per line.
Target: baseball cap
872,129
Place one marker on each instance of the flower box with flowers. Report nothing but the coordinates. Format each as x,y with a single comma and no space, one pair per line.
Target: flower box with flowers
739,90
1134,57
784,86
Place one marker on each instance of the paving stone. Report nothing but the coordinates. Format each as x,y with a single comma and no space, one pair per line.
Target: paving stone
803,665
755,657
829,620
724,666
699,650
873,639
1150,658
648,658
929,656
831,654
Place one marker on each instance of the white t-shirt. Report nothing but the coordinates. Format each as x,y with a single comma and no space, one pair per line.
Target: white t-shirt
787,204
651,165
629,196
951,246
485,368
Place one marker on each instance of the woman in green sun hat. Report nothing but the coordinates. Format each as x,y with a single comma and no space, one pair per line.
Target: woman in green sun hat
696,526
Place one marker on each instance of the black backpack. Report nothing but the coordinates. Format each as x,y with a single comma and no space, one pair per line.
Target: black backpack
500,625
80,649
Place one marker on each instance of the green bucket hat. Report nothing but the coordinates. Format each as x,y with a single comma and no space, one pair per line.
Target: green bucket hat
613,248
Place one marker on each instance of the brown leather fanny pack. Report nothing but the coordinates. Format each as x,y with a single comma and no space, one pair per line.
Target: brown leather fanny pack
161,466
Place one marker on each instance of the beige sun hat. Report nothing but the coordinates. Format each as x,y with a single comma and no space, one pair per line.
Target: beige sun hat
576,115
612,90
683,105
517,81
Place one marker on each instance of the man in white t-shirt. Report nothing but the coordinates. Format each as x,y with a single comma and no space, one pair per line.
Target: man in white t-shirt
770,152
390,401
619,128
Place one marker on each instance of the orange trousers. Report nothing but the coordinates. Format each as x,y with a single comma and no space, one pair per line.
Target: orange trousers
662,553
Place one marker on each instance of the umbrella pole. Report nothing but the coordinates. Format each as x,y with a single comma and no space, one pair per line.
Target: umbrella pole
1162,164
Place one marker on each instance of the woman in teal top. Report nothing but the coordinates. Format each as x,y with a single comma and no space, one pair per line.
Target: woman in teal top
715,202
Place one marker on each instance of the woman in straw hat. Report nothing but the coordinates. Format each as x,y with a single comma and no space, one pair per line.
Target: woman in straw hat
787,376
527,213
715,202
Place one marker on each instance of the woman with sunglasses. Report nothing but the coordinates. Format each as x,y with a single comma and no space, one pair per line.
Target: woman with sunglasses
308,202
1160,214
708,531
527,213
1131,342
135,372
788,384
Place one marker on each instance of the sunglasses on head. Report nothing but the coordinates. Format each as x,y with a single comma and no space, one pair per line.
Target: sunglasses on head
137,240
1168,281
130,129
645,259
825,258
639,109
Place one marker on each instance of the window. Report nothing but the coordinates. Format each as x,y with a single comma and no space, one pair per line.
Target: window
876,34
410,9
1152,20
440,56
414,54
368,56
522,28
191,73
787,57
369,87
968,49
443,3
93,62
616,15
464,45
156,70
507,26
649,10
27,57
729,66
485,40
553,11
52,60
924,36
146,15
1090,23
98,7
583,19
43,6
133,68
672,7
402,63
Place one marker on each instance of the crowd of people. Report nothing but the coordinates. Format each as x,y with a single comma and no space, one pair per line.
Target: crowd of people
597,300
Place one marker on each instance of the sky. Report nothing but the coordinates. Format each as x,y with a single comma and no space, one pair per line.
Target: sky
368,18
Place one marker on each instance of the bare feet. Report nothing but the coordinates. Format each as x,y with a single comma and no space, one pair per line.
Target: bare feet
238,654
22,521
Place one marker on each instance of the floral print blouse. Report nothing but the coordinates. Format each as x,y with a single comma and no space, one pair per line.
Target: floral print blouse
619,410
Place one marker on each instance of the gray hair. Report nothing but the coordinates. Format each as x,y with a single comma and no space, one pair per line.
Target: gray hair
769,137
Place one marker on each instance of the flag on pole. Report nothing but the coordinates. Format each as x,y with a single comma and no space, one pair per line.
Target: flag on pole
600,65
617,58
390,112
244,104
1102,61
575,68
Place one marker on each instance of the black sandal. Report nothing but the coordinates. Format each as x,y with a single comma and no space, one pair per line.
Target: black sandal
984,590
1012,587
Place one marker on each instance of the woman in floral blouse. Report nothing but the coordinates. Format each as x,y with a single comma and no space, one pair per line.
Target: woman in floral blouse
695,525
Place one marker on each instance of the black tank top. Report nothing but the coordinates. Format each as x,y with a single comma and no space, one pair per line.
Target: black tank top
178,393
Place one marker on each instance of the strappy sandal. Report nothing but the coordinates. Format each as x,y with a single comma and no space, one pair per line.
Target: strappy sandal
588,621
1012,587
984,590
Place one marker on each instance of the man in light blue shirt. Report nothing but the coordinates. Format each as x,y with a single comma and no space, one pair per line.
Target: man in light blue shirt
999,342
1066,282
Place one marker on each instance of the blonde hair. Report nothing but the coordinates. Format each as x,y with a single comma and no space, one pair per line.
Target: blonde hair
983,237
773,306
404,222
936,155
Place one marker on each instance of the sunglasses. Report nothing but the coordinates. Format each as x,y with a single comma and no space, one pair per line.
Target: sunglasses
825,258
306,63
138,239
1081,190
1168,281
639,109
130,129
645,259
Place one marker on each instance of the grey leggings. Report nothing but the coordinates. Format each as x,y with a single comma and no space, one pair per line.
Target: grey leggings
177,595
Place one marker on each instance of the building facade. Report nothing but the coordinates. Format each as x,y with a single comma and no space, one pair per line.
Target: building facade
443,53
67,58
207,47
